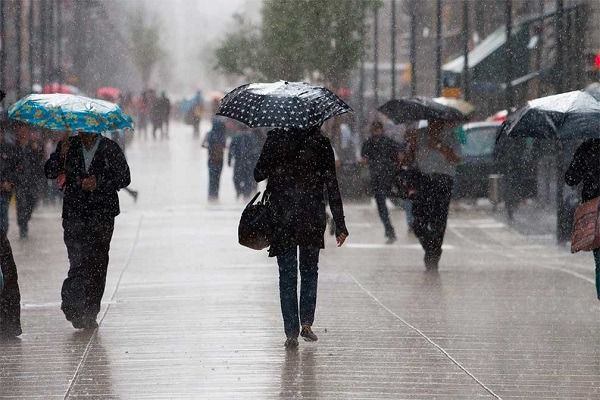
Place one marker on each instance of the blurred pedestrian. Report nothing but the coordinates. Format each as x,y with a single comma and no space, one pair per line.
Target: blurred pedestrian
215,141
9,165
244,150
511,155
143,111
585,169
156,114
30,170
436,153
382,156
95,169
10,297
165,114
195,113
298,166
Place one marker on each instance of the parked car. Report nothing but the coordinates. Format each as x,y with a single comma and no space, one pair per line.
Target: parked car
478,153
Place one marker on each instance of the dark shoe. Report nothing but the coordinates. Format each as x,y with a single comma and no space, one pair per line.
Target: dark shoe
291,343
390,240
308,334
10,331
84,323
431,262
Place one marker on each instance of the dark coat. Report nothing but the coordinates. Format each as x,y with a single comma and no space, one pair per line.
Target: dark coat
108,166
299,166
585,167
10,163
381,153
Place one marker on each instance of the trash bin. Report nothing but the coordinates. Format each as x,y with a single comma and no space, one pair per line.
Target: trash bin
495,189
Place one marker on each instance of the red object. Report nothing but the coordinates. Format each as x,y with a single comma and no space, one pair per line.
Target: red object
60,88
108,93
500,116
586,227
597,61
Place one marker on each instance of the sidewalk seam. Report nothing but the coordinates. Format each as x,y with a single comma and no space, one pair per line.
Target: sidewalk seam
420,333
89,345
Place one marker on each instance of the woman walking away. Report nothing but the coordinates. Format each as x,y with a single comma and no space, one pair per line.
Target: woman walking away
585,168
299,165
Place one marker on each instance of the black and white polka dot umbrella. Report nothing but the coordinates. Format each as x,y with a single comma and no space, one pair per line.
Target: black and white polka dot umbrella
294,105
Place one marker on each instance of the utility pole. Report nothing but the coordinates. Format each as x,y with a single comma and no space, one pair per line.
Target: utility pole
438,48
375,54
413,47
562,228
508,60
3,48
59,41
393,35
465,77
32,40
18,28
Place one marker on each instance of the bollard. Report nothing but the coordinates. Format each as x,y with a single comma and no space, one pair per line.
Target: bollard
495,189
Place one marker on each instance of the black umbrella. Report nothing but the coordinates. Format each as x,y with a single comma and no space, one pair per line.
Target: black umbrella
417,108
295,105
571,115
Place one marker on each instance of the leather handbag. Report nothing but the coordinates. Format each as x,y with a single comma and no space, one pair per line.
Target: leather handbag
256,223
586,227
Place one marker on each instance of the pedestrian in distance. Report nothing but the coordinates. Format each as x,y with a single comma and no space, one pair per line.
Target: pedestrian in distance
436,153
165,114
244,150
94,169
298,165
10,297
382,155
585,169
215,142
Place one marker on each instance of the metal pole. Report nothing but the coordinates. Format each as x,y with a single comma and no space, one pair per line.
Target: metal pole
393,35
413,48
561,229
18,28
51,40
438,48
3,48
59,41
43,21
466,78
375,54
32,39
508,60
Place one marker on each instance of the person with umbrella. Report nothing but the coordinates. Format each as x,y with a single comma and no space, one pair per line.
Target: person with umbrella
382,154
91,168
436,153
585,169
298,163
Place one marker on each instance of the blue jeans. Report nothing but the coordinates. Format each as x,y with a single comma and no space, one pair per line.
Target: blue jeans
384,214
288,288
408,209
4,202
597,260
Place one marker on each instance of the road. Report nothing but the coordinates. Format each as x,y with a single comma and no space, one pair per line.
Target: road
190,314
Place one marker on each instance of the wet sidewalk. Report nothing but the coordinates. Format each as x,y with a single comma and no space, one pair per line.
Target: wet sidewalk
190,314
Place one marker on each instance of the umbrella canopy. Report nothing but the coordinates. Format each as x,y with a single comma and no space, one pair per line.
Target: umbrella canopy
461,105
108,93
66,112
294,105
571,115
417,108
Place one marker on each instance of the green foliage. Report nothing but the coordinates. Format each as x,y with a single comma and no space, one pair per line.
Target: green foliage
300,39
144,37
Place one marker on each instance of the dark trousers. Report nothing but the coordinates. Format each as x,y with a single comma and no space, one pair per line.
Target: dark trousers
214,179
384,214
288,287
26,201
597,262
88,244
430,211
10,297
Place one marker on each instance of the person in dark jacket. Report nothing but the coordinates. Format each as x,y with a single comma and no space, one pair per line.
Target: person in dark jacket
585,169
382,155
215,141
298,166
243,152
10,297
10,161
94,169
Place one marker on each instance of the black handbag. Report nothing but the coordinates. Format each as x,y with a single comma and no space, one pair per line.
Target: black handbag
256,223
408,183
